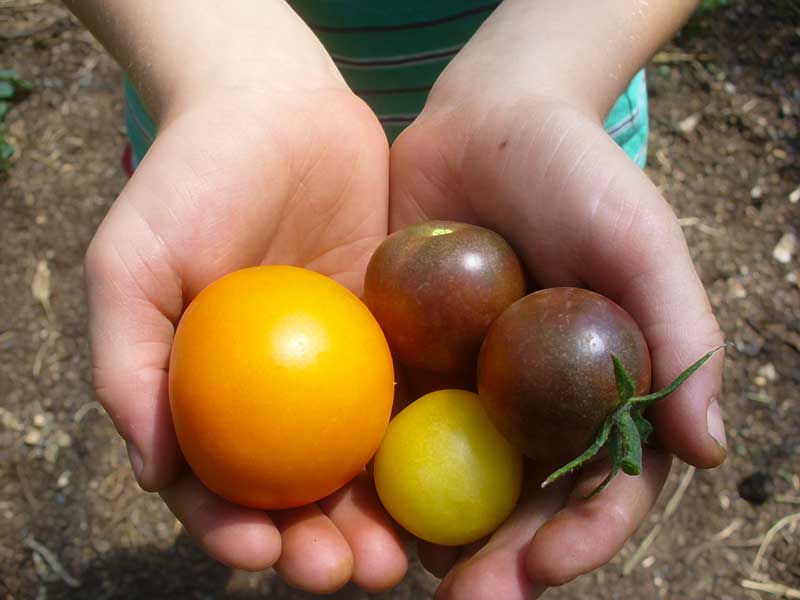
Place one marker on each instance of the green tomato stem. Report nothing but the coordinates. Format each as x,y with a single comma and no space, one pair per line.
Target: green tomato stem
626,429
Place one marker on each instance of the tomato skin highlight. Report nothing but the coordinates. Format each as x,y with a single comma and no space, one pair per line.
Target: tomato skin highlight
444,472
545,373
280,384
436,287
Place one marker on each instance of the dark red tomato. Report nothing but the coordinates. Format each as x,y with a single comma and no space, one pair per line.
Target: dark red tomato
436,287
545,373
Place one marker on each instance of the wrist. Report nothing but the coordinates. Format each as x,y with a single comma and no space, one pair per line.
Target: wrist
583,53
179,51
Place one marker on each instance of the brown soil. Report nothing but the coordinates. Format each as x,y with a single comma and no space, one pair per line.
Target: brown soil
724,150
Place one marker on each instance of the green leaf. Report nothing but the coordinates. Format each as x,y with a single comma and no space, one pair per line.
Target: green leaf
625,386
615,450
599,442
6,150
642,424
631,460
6,89
651,398
4,106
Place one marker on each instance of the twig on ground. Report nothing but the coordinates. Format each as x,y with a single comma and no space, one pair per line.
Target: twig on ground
669,510
52,561
770,587
788,519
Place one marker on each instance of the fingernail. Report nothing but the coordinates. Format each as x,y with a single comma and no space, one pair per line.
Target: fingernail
716,427
137,462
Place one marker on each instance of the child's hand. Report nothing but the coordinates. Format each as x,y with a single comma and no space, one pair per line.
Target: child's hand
236,181
539,169
255,163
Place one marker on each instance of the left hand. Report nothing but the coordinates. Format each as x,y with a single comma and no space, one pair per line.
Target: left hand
542,172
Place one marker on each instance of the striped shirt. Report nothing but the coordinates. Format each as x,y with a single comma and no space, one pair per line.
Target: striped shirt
391,53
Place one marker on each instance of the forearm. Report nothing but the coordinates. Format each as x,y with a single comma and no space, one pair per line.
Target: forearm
581,50
176,49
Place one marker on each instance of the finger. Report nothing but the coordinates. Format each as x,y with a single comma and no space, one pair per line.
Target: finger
379,559
586,534
600,222
436,559
242,538
497,570
315,557
640,242
133,300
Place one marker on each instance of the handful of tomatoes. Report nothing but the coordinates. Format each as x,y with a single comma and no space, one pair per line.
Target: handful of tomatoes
281,382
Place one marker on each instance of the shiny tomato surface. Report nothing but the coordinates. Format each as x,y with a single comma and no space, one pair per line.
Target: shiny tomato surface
436,287
280,384
545,373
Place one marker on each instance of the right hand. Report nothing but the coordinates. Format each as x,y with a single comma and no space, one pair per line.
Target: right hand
237,177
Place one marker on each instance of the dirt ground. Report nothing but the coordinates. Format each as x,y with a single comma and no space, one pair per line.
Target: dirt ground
724,151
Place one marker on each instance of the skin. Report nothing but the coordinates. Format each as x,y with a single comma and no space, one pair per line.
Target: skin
263,155
436,287
545,372
518,146
276,162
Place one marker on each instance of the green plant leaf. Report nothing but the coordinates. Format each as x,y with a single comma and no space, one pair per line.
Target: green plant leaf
642,424
615,451
651,398
631,460
4,106
599,442
625,386
626,428
6,89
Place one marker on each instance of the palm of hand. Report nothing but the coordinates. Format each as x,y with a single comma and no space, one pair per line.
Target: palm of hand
579,213
225,186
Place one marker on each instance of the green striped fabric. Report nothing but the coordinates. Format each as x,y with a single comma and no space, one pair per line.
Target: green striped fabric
391,52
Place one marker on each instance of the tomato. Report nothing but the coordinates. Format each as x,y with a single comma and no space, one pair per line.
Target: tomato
545,373
444,472
280,384
435,288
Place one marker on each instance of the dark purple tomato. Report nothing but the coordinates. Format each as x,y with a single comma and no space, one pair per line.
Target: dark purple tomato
545,372
436,287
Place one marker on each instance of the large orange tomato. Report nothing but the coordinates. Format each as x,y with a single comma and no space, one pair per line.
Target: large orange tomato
280,385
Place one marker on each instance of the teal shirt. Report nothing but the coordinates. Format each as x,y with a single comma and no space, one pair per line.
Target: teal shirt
391,53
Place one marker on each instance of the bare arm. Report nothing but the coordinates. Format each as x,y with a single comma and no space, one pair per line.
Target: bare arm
175,50
583,51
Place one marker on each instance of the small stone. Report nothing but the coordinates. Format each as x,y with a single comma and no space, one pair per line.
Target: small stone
756,192
760,380
756,488
794,197
33,437
62,438
768,372
729,87
689,123
39,420
736,289
648,562
63,480
794,278
785,248
50,453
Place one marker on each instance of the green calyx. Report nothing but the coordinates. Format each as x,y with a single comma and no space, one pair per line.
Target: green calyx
626,429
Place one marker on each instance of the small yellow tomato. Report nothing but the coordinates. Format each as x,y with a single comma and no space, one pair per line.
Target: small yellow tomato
444,472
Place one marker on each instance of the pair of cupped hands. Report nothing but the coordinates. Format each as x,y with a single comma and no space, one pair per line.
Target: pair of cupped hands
259,172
